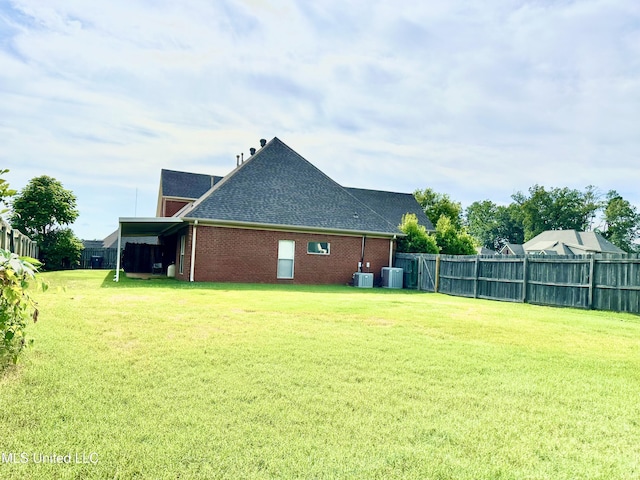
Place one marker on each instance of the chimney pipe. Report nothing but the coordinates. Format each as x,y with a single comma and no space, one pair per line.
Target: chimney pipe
252,151
237,160
241,158
263,142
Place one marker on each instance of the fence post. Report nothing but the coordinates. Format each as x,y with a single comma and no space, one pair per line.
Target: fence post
420,273
436,285
592,280
475,282
524,279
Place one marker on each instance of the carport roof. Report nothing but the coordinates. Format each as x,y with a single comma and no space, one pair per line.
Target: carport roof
147,227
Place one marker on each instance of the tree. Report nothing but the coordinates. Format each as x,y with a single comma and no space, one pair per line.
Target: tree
621,222
494,225
41,210
417,239
60,249
436,205
555,209
452,241
5,191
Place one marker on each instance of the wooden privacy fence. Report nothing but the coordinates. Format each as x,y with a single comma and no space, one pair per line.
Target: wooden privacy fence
104,258
16,242
594,281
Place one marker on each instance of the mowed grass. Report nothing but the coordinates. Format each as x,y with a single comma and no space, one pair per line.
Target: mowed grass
161,379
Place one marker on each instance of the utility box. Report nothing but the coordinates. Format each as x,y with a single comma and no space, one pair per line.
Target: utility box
392,277
96,262
363,280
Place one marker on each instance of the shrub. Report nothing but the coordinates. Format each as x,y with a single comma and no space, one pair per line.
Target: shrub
417,239
17,307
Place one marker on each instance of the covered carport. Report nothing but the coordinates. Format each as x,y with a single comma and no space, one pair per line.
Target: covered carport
144,227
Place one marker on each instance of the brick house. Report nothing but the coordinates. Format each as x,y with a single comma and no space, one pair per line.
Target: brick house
275,218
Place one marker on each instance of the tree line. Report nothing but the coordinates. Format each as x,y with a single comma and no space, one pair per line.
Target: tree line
487,224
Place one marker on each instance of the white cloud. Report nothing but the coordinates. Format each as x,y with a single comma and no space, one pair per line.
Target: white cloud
475,99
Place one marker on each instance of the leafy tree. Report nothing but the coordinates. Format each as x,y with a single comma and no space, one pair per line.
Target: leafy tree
5,191
436,205
622,222
42,206
61,249
494,225
41,210
453,241
417,239
554,209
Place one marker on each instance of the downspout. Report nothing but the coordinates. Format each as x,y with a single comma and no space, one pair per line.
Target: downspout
391,251
193,251
117,279
364,237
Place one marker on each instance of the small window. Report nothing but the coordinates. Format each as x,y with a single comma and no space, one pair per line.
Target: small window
286,249
318,248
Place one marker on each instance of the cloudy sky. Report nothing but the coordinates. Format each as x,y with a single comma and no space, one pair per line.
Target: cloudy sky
476,99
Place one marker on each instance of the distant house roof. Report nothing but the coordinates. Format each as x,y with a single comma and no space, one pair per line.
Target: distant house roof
512,249
186,185
485,251
92,243
392,205
277,186
570,242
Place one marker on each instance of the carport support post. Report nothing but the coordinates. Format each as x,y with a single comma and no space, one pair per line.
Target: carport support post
117,279
193,251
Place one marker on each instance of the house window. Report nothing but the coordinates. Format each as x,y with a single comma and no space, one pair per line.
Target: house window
286,250
183,240
318,248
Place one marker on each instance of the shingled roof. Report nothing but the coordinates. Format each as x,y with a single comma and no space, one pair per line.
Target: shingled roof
570,242
392,205
186,185
277,186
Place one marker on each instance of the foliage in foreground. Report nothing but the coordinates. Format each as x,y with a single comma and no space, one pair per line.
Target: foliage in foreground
17,307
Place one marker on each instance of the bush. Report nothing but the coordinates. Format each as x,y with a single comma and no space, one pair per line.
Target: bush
17,307
417,239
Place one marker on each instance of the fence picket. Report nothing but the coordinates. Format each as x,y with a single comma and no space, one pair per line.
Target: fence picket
600,282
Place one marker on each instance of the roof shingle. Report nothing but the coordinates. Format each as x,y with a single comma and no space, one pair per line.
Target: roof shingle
278,186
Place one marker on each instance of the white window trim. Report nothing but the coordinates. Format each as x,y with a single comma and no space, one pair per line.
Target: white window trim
282,257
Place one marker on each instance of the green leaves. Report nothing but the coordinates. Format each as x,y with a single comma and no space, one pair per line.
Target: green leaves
16,305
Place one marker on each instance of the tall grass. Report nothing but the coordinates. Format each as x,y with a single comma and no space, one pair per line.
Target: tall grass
162,379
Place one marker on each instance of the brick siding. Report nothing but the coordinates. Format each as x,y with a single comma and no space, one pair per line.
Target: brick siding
244,255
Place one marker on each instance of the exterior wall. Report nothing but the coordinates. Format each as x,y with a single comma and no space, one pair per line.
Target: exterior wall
251,256
171,207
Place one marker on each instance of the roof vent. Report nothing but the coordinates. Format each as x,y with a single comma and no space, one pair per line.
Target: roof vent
237,160
252,151
263,142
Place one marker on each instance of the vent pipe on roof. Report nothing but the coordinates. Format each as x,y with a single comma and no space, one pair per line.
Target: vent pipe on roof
237,160
252,151
263,142
241,158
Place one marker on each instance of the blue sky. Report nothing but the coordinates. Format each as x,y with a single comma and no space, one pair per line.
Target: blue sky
474,99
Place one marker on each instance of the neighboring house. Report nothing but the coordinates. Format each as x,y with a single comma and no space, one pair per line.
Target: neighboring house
563,242
511,249
274,218
485,251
